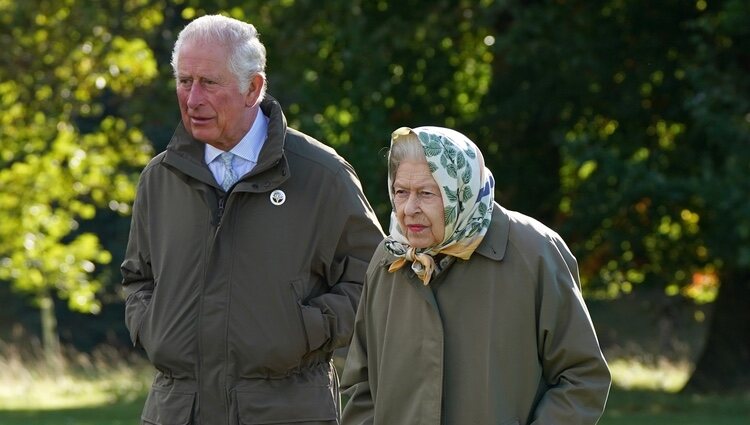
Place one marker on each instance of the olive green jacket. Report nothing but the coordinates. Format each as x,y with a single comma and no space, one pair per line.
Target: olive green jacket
240,302
502,338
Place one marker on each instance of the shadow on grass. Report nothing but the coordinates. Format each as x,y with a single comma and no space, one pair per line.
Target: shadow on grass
120,413
639,407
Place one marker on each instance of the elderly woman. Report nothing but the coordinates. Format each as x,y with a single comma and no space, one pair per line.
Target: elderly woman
471,313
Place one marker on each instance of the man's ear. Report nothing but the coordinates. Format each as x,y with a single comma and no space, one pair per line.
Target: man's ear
254,90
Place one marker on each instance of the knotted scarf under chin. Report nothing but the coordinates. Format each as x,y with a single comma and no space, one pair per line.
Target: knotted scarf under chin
421,264
424,264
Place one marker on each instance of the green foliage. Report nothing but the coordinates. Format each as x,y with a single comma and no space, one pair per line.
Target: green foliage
65,153
647,109
350,73
620,124
624,126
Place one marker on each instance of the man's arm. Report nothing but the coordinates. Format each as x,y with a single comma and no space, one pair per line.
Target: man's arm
329,318
137,277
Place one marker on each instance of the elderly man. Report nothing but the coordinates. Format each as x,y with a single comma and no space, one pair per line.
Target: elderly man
248,247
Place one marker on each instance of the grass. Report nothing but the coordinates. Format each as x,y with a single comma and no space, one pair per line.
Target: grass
120,412
639,374
107,388
642,407
78,381
650,359
633,407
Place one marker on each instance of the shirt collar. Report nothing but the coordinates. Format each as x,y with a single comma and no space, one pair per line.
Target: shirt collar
249,147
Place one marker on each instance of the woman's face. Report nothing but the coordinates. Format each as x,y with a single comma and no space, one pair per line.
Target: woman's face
419,204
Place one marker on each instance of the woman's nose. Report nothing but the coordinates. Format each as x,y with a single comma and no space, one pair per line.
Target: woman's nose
412,205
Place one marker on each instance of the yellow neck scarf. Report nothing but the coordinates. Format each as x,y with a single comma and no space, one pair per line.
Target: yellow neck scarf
423,265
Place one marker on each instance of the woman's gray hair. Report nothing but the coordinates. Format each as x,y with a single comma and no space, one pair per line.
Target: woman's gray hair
247,55
404,147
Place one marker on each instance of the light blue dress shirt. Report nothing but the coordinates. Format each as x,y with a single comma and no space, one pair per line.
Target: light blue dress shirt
246,151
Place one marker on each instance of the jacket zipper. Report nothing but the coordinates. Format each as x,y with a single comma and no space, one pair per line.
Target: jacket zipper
222,202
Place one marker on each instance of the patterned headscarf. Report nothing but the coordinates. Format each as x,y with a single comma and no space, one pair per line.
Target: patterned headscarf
468,191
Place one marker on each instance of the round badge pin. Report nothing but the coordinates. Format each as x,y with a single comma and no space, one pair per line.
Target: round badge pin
278,197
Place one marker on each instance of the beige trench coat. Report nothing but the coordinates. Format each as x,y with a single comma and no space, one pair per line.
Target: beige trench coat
503,338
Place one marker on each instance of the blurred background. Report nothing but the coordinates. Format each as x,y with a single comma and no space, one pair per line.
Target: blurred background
622,124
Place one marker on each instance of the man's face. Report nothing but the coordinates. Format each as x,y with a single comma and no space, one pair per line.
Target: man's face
213,109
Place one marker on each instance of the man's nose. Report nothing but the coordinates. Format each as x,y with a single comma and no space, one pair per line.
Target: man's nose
195,96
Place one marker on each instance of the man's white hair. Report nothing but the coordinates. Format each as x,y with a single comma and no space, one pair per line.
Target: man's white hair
247,55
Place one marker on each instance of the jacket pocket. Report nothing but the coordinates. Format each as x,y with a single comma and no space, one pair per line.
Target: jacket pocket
167,407
313,322
136,307
307,398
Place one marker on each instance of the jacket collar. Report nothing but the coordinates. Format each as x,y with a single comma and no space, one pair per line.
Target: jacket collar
495,241
186,154
493,246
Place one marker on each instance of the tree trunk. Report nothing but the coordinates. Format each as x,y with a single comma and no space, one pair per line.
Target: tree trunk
723,364
50,340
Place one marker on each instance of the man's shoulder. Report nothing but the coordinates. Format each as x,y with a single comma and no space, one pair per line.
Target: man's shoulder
307,148
153,163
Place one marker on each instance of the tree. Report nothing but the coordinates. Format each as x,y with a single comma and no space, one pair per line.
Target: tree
66,151
351,72
720,112
621,124
647,108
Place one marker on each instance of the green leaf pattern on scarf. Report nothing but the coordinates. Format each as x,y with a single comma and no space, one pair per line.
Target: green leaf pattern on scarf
467,194
467,188
450,215
450,194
